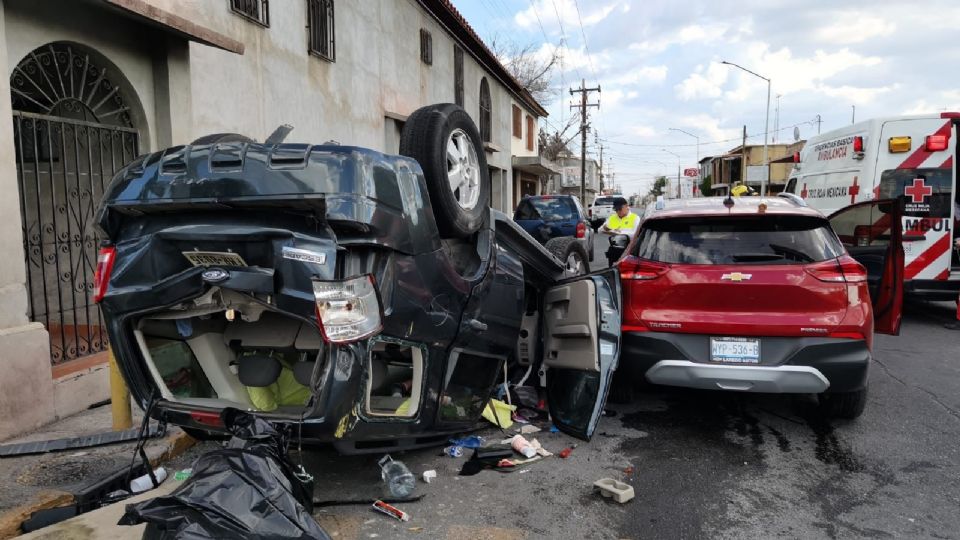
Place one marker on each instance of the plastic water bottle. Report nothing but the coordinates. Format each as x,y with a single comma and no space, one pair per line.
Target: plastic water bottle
398,478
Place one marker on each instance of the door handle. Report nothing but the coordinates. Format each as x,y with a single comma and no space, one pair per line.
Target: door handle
477,325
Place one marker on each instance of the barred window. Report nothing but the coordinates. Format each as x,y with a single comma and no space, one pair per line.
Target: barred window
426,47
320,29
257,11
517,122
486,107
458,75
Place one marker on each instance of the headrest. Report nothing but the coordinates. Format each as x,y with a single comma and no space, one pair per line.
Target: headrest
258,370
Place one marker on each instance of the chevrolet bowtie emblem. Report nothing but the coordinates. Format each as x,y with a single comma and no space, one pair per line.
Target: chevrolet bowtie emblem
736,276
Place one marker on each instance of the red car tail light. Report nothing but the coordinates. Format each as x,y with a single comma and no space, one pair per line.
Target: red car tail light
858,144
581,229
937,143
348,310
101,276
641,269
206,418
847,335
844,269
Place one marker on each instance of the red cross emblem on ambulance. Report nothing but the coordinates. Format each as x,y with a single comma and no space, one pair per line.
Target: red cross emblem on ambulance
918,191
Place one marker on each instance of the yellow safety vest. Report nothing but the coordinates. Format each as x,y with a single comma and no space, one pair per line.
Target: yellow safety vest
616,222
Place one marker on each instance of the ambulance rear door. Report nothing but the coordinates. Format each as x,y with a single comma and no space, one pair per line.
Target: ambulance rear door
916,164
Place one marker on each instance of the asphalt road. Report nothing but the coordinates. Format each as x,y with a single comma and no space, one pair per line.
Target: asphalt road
709,465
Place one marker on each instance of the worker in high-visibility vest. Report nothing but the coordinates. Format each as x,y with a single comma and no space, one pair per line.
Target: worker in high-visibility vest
622,221
741,189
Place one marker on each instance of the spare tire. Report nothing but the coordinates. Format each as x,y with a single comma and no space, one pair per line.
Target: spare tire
222,138
447,145
571,253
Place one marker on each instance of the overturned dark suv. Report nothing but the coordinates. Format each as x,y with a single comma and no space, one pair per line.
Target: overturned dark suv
373,299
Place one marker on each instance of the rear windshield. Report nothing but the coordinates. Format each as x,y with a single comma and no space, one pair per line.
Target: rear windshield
738,240
547,209
603,201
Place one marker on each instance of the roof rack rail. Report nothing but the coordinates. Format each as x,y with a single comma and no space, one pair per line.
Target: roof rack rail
794,198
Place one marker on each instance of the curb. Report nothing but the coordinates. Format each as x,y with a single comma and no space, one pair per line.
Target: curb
172,446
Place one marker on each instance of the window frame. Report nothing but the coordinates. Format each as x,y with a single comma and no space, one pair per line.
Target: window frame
426,47
263,6
486,111
529,140
517,122
322,10
458,91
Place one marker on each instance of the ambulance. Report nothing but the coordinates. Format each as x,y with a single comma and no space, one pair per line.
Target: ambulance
890,180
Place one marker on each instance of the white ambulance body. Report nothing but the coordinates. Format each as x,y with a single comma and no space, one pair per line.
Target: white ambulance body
910,158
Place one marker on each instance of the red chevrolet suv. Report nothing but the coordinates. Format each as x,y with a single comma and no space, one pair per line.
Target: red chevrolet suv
756,295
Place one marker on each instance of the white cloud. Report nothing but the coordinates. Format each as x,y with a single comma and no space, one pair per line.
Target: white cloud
703,83
553,14
643,131
921,106
642,75
853,27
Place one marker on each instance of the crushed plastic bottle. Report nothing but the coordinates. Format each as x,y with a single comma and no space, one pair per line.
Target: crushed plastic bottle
399,480
454,451
472,441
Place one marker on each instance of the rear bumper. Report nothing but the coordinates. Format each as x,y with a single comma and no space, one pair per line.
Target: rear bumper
788,364
931,289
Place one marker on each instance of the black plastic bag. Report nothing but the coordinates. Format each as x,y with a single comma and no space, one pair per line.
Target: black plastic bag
249,489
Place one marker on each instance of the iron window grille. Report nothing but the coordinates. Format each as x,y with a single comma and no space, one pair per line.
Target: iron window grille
486,107
257,11
426,47
458,75
320,29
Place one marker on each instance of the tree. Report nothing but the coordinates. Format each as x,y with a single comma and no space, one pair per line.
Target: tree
532,69
659,187
554,144
705,186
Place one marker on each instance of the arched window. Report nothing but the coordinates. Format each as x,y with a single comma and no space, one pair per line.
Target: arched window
486,106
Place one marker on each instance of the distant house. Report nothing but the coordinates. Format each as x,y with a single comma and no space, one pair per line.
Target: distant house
567,180
93,83
728,169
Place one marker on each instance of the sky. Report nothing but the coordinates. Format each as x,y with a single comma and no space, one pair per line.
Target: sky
658,64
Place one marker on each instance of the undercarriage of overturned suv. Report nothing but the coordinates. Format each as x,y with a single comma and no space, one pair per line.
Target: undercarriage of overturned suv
372,300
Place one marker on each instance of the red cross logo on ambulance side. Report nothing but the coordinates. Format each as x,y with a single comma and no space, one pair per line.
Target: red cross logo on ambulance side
919,191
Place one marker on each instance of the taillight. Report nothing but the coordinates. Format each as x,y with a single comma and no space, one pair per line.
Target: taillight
842,270
847,335
796,157
101,276
937,143
858,144
581,229
207,418
348,310
641,269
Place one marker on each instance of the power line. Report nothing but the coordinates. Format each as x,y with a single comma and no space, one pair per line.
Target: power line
661,145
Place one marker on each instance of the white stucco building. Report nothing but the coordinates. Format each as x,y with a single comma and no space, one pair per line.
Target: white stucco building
92,83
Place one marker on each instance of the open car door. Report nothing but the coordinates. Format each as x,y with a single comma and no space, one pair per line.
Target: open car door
872,233
581,348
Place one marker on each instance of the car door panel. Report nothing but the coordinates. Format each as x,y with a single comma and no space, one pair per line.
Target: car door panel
581,321
872,234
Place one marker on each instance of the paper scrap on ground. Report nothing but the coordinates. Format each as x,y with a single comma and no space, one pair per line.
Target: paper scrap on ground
503,413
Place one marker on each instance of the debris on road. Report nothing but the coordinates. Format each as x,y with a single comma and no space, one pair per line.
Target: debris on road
180,476
528,429
399,480
429,475
87,441
613,489
252,477
565,453
453,451
391,511
145,482
472,441
499,413
523,446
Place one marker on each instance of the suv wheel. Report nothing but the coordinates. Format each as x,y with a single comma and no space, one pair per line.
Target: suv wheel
570,251
447,144
847,405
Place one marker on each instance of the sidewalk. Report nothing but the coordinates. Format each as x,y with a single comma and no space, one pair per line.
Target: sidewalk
35,482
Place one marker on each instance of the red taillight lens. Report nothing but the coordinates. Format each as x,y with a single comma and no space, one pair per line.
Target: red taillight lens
206,418
101,276
641,269
937,143
581,229
796,157
841,270
858,144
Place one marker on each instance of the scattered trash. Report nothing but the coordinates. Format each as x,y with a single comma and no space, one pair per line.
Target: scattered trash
180,476
499,413
145,483
553,429
523,446
493,453
392,511
453,451
565,453
251,477
472,441
317,503
415,529
541,451
429,475
618,491
398,478
525,471
528,429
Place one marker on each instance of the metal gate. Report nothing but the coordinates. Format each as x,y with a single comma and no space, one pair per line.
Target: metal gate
63,166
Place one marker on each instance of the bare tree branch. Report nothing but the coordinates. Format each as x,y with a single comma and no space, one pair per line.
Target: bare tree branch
527,65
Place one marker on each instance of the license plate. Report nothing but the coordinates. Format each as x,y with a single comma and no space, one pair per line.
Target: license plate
214,258
735,350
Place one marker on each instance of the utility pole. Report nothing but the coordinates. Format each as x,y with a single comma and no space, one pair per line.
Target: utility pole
601,169
776,121
743,157
819,121
853,116
584,93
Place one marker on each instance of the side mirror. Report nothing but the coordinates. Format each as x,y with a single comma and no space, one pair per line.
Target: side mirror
618,244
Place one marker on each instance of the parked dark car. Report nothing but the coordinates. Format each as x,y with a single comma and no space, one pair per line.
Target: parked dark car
373,299
560,223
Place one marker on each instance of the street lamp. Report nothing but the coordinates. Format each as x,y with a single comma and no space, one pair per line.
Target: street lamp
766,128
679,195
